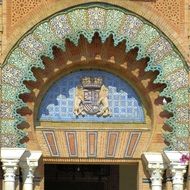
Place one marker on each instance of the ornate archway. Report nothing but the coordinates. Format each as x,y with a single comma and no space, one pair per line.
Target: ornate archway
105,20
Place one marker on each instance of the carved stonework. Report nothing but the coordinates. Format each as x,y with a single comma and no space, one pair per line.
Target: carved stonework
20,8
91,97
10,158
156,172
9,171
170,10
177,169
155,167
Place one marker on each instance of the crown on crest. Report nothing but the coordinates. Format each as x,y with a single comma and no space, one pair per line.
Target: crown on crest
92,82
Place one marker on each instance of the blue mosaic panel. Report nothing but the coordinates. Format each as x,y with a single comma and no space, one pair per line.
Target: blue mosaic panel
58,103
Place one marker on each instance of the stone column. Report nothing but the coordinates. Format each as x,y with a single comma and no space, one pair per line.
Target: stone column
10,158
155,167
28,164
177,169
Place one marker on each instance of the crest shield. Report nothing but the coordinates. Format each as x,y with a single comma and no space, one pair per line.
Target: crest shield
91,97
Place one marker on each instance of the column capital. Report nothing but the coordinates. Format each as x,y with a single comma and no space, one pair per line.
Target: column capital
176,167
155,167
10,158
153,160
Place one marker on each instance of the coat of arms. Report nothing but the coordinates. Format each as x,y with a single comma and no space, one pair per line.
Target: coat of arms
91,97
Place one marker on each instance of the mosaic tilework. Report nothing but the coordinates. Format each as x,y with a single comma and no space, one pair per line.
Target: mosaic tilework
8,136
159,48
183,115
58,103
60,26
8,140
31,46
145,37
11,75
179,79
6,110
166,64
96,18
131,26
114,19
164,57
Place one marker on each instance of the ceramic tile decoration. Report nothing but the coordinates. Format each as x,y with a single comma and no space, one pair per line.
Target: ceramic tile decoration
150,41
124,104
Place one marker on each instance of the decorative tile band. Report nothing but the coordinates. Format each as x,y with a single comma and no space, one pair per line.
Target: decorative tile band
90,144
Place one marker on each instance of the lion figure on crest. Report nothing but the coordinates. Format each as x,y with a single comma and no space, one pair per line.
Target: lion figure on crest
103,101
79,98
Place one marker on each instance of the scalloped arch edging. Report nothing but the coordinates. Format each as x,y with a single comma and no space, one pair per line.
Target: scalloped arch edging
86,20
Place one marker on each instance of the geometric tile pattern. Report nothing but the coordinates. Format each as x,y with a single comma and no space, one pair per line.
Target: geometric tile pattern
170,10
90,144
58,102
106,20
20,8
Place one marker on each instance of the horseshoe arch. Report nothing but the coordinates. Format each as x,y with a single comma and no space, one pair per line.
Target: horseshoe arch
105,20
